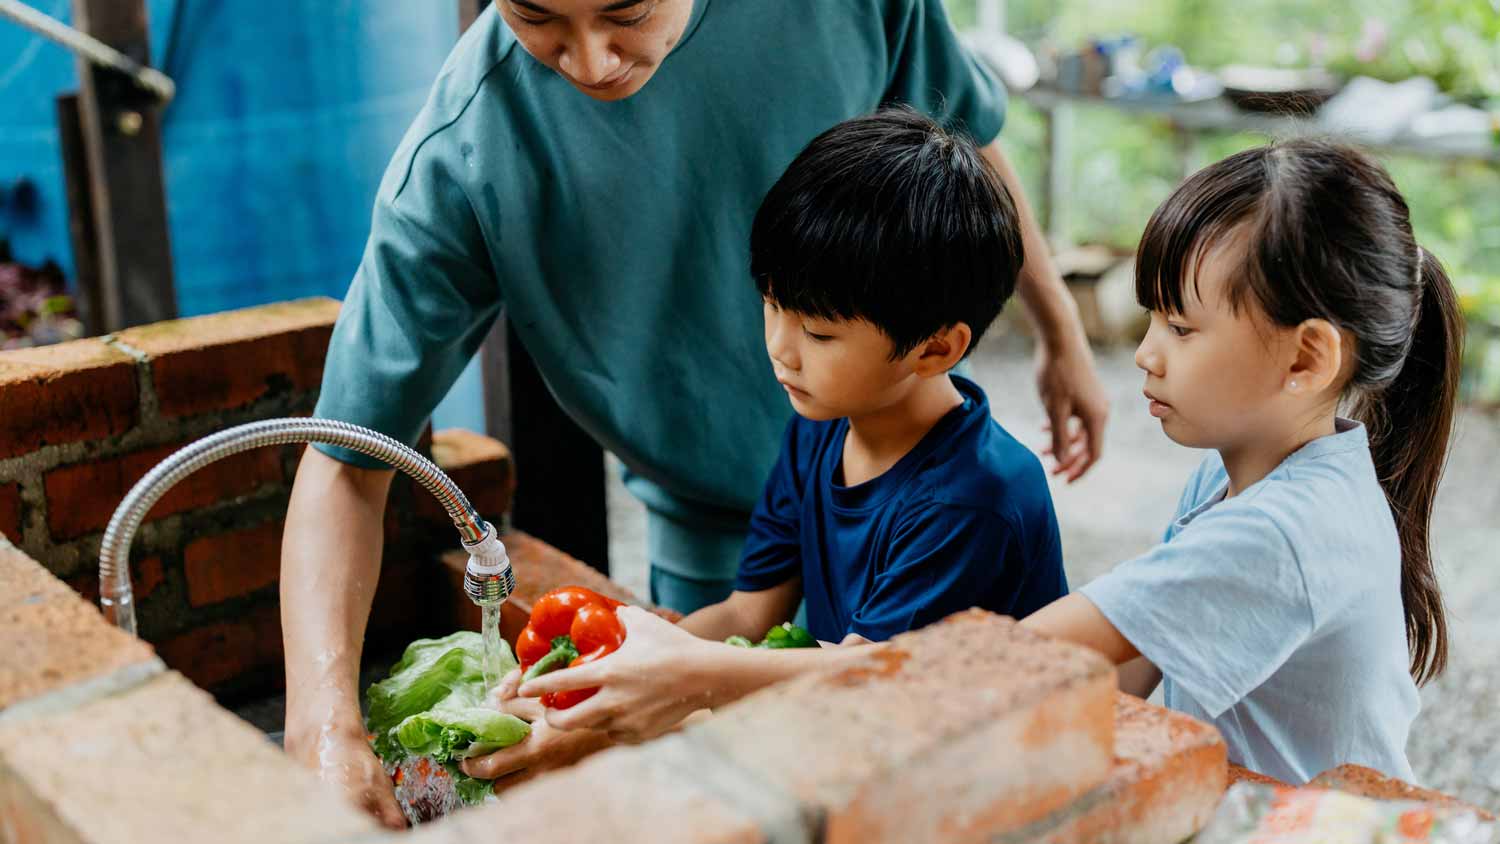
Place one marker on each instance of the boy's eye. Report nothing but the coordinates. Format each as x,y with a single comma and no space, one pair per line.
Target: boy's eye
817,338
1179,330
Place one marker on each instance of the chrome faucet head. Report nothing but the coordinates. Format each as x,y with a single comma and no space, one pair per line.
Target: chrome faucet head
488,578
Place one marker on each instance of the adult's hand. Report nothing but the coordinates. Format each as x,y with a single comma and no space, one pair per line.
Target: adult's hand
344,759
1076,407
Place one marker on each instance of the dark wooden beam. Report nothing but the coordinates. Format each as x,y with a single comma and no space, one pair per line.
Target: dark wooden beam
81,234
468,10
121,132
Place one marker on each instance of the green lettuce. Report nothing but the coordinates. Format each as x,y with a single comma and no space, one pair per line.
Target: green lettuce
433,704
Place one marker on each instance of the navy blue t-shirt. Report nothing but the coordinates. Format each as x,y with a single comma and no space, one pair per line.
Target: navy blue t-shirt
964,519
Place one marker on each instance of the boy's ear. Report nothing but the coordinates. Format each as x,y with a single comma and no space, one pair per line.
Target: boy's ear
943,350
1318,358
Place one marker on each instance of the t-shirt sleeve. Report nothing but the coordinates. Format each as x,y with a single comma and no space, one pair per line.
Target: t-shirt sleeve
943,558
421,302
1218,609
773,545
935,74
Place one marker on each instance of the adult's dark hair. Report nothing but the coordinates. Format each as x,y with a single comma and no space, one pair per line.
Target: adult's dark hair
1328,236
891,219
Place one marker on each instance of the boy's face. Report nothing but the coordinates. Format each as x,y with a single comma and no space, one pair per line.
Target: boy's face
1213,376
833,369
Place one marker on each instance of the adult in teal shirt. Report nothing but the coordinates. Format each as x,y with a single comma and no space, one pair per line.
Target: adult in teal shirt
594,167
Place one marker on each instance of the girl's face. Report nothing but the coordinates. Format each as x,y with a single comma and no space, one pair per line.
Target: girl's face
1216,378
608,49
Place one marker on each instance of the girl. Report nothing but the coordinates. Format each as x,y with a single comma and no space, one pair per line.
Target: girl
1293,602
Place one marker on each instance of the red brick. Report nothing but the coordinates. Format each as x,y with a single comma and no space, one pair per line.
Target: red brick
229,360
10,512
50,638
229,565
83,390
623,795
1367,782
482,468
214,654
161,762
1168,777
82,497
145,576
1239,773
957,732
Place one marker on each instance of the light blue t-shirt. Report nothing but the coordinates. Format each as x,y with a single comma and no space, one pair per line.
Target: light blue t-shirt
1276,614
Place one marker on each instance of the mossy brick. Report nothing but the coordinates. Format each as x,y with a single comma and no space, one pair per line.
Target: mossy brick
1368,782
1168,777
229,360
69,392
82,497
223,566
145,575
963,730
51,640
215,654
162,762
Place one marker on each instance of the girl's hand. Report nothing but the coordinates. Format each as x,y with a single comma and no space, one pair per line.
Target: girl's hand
647,687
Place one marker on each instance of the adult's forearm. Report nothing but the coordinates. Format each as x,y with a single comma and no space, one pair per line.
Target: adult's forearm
1040,287
330,563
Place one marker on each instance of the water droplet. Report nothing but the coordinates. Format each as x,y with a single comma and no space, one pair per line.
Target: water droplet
466,150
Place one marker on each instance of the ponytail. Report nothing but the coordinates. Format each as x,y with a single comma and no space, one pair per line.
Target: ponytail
1410,422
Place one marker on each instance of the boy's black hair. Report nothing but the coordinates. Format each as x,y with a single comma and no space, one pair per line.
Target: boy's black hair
891,219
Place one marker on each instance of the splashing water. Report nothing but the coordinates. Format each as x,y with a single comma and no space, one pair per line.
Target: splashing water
490,628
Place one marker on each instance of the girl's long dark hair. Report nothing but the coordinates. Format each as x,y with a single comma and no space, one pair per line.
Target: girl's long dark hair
1328,236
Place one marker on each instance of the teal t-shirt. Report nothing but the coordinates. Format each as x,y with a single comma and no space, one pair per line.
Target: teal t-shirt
616,234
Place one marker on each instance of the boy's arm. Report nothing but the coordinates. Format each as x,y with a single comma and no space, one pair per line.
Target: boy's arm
662,674
748,614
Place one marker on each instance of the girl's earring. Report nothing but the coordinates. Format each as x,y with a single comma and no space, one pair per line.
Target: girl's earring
1293,385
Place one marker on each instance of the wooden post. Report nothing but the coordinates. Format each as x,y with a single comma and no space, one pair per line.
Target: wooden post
121,134
468,10
80,214
560,495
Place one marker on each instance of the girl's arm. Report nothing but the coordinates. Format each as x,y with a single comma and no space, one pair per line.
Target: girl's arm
1076,619
662,674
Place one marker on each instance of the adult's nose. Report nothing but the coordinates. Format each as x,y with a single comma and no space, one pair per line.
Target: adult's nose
588,59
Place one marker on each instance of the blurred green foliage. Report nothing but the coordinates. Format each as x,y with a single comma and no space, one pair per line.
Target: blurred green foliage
1122,165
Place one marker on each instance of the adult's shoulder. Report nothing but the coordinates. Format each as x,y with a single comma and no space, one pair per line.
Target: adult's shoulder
470,68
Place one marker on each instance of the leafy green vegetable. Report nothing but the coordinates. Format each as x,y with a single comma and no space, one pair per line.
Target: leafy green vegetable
784,635
433,704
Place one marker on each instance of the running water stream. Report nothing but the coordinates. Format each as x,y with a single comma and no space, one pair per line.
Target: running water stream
490,628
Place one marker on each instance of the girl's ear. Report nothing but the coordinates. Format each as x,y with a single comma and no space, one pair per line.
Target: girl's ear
942,351
1317,360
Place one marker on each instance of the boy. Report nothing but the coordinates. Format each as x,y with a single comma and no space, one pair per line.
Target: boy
882,255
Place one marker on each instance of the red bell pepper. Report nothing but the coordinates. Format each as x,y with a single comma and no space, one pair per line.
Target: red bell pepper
569,626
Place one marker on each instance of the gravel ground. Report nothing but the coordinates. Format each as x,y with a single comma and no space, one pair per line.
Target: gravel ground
1121,507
